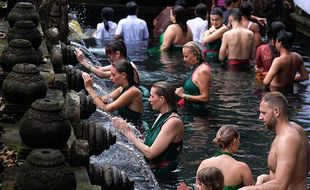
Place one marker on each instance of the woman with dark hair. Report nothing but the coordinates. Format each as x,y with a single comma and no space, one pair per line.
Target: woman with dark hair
236,173
178,33
114,51
126,98
212,38
163,141
196,89
106,29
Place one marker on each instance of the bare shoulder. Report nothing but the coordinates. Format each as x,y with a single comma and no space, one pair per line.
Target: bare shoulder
255,27
242,166
204,69
298,128
134,91
171,28
174,121
296,56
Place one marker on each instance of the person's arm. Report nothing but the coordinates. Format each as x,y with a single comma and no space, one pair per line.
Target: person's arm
203,83
258,59
246,174
224,48
145,31
302,71
272,71
257,36
165,137
261,21
286,162
212,34
124,99
168,38
118,31
85,63
253,51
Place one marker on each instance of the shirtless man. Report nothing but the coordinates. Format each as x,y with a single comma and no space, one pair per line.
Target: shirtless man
238,43
289,156
282,73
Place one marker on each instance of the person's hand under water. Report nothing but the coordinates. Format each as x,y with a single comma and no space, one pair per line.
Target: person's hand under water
121,125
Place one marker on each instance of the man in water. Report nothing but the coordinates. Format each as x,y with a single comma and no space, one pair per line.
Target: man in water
289,156
238,43
132,28
282,73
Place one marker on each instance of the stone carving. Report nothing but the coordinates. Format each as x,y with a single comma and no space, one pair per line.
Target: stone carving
45,169
45,125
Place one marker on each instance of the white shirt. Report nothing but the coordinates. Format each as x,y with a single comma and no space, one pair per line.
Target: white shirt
198,27
101,32
132,29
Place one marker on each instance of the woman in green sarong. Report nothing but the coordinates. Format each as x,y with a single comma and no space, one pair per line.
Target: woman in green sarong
163,141
236,173
196,89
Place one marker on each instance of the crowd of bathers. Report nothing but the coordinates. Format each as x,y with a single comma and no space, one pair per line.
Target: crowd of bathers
229,36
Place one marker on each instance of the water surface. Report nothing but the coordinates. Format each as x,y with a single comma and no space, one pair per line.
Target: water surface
235,97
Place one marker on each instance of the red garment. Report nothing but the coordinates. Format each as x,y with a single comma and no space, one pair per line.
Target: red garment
238,62
264,57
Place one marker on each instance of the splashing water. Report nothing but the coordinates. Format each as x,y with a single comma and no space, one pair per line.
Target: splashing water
125,156
86,52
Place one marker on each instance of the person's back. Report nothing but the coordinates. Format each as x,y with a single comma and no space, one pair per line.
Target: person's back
236,174
282,73
106,29
238,43
132,28
199,24
230,168
178,33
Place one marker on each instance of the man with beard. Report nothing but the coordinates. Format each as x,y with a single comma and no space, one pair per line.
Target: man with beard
289,156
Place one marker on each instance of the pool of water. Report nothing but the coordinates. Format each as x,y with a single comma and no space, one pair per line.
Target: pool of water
235,97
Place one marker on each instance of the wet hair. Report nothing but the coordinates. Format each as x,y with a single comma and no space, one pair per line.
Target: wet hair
201,10
217,11
246,9
276,99
123,65
131,8
212,178
286,38
107,14
225,136
118,45
275,27
179,13
235,14
195,49
165,90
